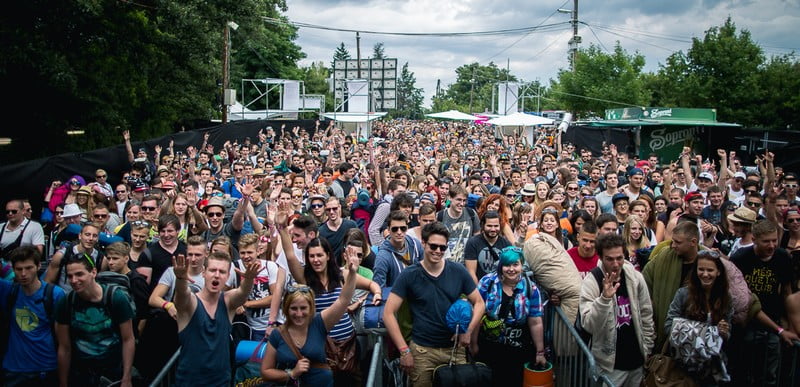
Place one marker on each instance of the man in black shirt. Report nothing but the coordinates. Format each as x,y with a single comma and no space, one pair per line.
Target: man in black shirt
483,250
768,274
159,257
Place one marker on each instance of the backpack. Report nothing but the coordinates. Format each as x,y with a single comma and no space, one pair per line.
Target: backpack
113,281
597,272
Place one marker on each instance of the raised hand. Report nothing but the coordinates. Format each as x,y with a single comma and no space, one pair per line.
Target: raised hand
126,135
252,269
722,154
282,215
180,267
610,284
158,149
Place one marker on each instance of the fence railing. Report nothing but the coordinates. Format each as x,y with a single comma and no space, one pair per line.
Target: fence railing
573,363
166,377
375,376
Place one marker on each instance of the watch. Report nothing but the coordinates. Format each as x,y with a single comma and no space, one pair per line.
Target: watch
289,373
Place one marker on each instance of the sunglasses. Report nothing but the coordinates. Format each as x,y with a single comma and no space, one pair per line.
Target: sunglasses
238,169
100,216
217,194
511,196
299,288
332,209
100,176
75,182
572,188
793,220
12,212
315,206
59,212
439,247
297,196
709,253
148,209
122,192
550,211
790,185
140,223
214,214
399,228
753,204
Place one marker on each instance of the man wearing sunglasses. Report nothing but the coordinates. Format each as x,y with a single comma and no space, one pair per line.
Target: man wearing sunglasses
430,287
397,252
18,230
335,228
215,213
789,182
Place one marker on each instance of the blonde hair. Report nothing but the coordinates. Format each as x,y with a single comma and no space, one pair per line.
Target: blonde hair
633,245
291,296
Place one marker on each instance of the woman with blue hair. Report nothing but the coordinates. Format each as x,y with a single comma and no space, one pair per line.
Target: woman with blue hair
511,330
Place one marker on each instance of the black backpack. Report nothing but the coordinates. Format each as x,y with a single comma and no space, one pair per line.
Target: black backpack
117,280
69,252
597,272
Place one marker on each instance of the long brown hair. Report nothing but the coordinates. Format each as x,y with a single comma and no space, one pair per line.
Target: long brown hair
719,300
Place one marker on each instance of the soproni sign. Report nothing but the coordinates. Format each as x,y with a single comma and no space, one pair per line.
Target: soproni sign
662,138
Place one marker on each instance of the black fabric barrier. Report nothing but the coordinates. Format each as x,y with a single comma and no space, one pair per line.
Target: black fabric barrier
31,179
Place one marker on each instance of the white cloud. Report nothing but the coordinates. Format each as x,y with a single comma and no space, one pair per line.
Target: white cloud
649,27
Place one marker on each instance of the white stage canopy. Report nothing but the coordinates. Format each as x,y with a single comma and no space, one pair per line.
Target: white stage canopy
520,119
453,115
354,117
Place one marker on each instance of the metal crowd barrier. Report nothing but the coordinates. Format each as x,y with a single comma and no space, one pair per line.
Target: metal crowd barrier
375,376
791,378
166,378
573,363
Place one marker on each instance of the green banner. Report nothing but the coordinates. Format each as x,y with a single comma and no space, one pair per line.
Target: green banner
661,113
668,141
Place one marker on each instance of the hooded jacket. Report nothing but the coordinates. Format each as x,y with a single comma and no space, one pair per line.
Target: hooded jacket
389,264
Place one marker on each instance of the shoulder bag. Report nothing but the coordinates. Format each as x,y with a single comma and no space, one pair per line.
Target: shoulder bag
661,370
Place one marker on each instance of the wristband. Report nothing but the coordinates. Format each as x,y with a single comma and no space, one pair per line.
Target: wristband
169,305
780,330
164,305
405,351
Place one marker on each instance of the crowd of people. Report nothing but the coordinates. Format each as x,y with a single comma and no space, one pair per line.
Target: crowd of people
287,238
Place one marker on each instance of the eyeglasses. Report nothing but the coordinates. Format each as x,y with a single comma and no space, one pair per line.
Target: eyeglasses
100,216
315,206
793,220
332,209
753,204
148,209
439,247
11,212
214,214
398,228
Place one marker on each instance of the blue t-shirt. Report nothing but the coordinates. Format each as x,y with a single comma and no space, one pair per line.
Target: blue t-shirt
430,297
31,347
313,350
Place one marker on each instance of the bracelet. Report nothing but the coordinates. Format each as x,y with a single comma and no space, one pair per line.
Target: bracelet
169,305
780,330
539,353
163,306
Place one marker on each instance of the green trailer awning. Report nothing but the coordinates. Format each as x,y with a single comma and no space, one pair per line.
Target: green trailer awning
672,122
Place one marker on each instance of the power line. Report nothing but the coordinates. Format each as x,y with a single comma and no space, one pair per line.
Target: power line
548,46
592,98
634,39
596,37
511,31
526,35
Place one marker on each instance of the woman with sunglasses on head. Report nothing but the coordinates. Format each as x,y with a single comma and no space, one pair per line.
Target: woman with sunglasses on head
549,223
511,329
305,333
326,279
64,193
706,299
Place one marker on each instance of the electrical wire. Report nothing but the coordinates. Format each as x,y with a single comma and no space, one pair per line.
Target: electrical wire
526,35
634,39
592,98
511,31
598,38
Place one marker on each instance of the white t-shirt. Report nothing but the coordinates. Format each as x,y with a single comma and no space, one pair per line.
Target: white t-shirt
33,236
257,317
168,279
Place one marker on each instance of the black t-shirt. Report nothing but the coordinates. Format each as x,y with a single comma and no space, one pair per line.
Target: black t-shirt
429,299
335,238
477,249
628,354
159,260
765,278
686,268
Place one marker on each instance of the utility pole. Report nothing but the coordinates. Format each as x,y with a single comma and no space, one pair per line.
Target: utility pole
575,38
226,33
471,90
358,53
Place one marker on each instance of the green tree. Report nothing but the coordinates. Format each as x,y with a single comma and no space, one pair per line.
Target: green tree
104,66
779,81
720,71
378,51
409,96
341,53
316,82
473,88
600,78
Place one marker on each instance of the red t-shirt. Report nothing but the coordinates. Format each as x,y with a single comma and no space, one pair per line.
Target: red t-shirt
584,265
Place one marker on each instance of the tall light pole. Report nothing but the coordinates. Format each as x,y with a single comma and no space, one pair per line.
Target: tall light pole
576,39
226,70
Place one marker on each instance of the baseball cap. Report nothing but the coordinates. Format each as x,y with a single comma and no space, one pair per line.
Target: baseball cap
790,176
694,195
619,196
739,175
642,163
427,196
705,175
140,186
636,171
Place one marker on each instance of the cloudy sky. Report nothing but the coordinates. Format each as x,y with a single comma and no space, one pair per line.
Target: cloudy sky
655,28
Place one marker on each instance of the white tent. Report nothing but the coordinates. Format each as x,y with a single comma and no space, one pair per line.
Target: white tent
520,119
453,115
238,112
354,117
